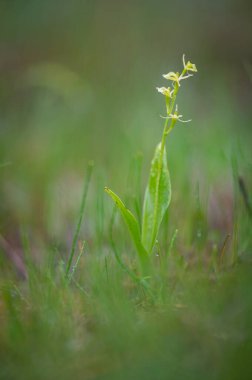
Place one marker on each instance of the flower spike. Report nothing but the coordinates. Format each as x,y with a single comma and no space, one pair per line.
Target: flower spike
170,95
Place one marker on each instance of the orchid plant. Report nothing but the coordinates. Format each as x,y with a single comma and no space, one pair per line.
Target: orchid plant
158,191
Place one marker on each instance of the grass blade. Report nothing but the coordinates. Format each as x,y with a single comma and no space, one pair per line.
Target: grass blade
82,208
71,274
174,236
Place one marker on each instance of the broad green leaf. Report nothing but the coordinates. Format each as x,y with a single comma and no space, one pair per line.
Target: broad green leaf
157,198
131,223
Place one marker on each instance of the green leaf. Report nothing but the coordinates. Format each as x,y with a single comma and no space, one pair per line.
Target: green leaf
157,198
131,223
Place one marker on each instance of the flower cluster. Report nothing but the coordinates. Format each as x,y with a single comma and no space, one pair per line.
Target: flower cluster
170,95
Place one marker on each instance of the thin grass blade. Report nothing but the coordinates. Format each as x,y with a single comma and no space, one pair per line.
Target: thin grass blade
82,209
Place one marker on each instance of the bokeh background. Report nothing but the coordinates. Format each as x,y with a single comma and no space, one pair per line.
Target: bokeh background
77,82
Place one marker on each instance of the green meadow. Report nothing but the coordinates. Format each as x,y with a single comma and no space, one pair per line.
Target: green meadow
91,290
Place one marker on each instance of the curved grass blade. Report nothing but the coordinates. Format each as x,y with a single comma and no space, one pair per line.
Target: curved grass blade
157,198
131,223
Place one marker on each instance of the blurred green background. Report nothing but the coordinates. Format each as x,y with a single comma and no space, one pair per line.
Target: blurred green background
77,82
